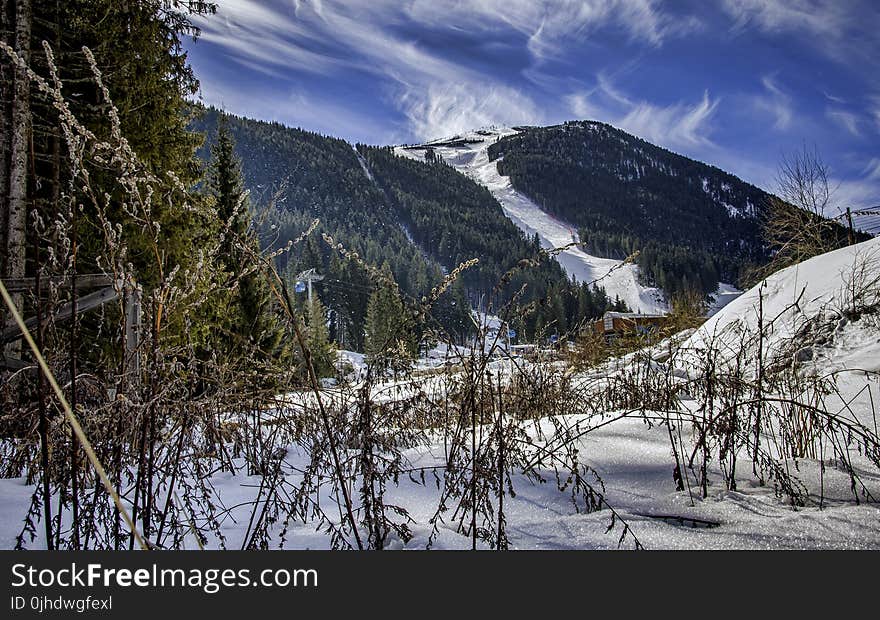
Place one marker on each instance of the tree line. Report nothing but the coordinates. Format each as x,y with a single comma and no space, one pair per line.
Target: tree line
415,220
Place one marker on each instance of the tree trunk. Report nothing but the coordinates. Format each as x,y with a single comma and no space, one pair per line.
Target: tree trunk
16,224
5,96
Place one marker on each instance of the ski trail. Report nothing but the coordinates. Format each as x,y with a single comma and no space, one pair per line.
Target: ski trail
469,154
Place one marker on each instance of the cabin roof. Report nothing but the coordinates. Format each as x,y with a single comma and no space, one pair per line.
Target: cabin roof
631,315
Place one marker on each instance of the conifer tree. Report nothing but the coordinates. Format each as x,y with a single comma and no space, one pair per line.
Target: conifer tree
137,48
225,185
248,310
318,339
387,335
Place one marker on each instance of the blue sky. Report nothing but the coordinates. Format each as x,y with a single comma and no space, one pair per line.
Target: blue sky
735,83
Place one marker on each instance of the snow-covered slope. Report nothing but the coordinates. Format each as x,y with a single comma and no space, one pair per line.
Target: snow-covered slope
468,153
820,289
633,458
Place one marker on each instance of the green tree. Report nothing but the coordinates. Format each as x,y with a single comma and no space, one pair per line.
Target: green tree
245,306
318,339
225,186
137,48
388,339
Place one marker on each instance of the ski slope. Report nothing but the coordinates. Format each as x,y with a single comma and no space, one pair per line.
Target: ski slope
468,153
725,294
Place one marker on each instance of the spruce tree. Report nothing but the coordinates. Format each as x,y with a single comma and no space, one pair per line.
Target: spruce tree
137,48
318,339
247,310
387,337
225,185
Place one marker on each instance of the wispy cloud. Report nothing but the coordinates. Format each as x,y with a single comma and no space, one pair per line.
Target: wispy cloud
331,37
846,120
605,101
776,102
872,170
680,125
853,193
581,106
874,110
842,30
550,24
606,87
445,110
254,31
676,125
828,18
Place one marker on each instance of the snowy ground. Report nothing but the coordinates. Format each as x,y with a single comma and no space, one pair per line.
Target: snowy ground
820,286
635,465
470,156
634,458
725,294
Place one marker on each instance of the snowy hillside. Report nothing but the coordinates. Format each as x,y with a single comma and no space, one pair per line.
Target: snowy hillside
825,289
468,153
725,294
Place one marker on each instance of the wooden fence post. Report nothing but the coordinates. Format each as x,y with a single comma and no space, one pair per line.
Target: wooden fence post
132,337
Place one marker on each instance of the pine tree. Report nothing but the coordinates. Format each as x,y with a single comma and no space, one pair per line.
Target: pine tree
137,47
225,185
387,337
247,311
318,339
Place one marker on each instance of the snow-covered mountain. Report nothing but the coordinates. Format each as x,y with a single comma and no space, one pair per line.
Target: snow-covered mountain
469,154
641,222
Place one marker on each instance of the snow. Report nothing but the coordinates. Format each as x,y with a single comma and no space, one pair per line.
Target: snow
725,294
717,197
364,166
634,463
351,363
631,456
468,153
807,312
814,287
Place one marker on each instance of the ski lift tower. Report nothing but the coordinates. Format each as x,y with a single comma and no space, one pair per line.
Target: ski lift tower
308,276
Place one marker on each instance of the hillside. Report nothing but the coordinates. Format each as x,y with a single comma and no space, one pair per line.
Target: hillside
693,224
823,311
452,218
640,222
422,219
306,175
469,154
